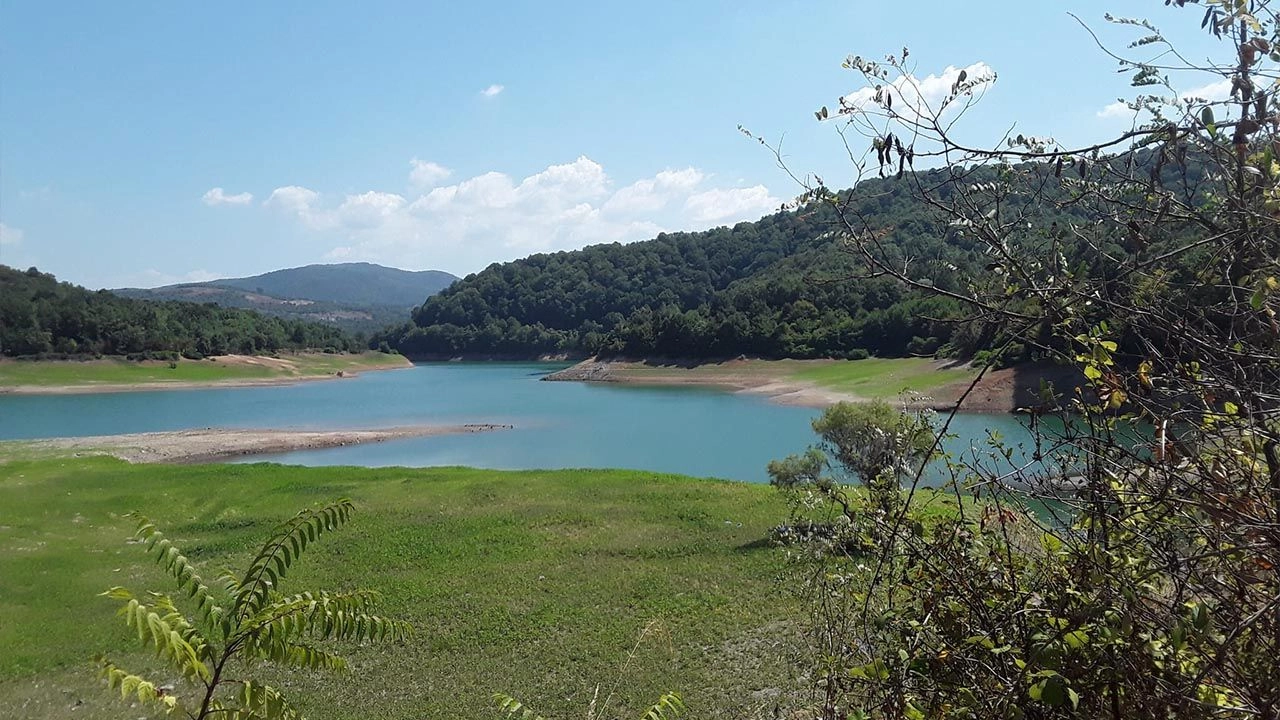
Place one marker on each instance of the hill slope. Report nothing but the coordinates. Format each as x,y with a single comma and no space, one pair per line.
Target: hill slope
358,284
791,285
353,296
778,287
40,315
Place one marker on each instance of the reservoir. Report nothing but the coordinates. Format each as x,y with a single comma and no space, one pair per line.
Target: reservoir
691,431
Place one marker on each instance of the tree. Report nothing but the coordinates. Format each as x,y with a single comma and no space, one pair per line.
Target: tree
1131,566
249,620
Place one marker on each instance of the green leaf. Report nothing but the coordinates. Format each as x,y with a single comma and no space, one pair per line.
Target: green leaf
1076,639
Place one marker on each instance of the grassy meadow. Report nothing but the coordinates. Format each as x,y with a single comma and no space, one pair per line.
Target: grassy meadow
881,378
867,379
121,372
533,583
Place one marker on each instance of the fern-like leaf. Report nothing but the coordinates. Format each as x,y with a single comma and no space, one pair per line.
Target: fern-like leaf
179,567
281,550
322,616
668,706
262,702
131,685
305,656
513,709
171,635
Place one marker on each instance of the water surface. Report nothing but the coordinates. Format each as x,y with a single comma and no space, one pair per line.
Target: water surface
693,431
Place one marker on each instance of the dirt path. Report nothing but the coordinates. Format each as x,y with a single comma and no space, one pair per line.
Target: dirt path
186,446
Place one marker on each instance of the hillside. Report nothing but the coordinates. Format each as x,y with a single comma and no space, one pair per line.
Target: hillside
39,316
354,296
782,286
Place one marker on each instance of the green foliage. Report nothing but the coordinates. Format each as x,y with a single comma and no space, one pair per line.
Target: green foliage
41,317
771,288
1131,569
250,620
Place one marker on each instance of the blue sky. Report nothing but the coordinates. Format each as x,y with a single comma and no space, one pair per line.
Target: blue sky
147,143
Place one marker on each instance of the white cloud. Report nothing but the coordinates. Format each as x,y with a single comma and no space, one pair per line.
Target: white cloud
1216,91
425,174
915,98
1213,92
492,90
368,209
299,201
492,217
721,205
1117,109
653,194
10,235
216,196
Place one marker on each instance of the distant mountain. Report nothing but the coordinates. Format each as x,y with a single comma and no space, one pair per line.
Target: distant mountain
353,296
359,284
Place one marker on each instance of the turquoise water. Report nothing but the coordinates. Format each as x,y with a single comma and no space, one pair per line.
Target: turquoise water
697,432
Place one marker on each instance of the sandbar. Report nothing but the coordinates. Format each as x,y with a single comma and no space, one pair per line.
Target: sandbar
212,444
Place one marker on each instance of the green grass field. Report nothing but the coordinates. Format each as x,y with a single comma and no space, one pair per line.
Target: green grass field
883,378
114,371
532,583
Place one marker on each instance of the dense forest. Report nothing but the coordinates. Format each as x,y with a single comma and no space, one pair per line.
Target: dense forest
783,286
40,316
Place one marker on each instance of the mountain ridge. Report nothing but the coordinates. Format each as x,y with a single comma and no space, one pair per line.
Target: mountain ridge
354,296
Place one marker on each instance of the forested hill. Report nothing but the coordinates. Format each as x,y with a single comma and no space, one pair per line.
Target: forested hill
40,316
776,287
358,297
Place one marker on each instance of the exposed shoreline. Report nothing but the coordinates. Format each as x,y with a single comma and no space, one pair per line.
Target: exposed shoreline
213,444
996,392
775,386
393,362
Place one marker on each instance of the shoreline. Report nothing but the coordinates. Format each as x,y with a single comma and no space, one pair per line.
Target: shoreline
94,387
997,392
214,444
777,388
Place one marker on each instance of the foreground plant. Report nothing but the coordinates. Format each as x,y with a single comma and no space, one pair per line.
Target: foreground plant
1127,565
250,620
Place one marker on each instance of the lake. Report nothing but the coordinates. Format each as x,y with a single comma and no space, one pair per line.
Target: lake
693,431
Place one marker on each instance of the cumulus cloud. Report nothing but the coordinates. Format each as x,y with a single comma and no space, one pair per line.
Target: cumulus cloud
492,217
216,196
1212,92
916,97
10,235
1117,109
299,201
493,90
719,205
423,174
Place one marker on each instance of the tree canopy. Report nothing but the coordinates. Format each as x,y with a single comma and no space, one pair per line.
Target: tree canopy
41,316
